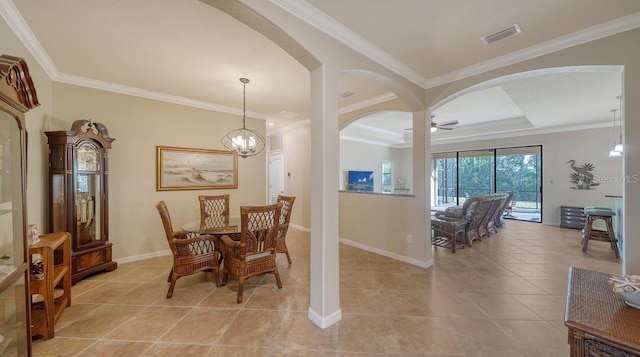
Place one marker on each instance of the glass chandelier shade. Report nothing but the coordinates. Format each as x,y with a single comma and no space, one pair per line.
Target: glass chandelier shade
245,142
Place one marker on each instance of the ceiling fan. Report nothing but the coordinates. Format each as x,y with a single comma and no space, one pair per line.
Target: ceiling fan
447,125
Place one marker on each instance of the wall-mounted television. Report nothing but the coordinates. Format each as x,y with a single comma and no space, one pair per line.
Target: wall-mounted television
360,181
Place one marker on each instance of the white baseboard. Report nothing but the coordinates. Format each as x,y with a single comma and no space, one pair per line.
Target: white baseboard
420,263
324,322
136,258
305,229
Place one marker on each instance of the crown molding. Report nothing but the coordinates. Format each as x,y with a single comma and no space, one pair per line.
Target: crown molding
321,21
367,103
143,93
613,27
375,142
16,22
517,133
346,109
373,129
282,129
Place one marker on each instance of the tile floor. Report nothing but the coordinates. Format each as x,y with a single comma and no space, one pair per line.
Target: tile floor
505,296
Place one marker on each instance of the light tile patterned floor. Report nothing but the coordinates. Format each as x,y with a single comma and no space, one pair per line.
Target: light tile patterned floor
504,296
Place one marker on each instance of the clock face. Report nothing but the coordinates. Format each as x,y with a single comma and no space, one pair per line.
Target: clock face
87,157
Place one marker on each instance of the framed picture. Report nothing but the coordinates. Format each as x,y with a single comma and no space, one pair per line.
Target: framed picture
195,169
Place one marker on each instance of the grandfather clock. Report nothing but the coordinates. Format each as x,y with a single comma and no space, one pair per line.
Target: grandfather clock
78,199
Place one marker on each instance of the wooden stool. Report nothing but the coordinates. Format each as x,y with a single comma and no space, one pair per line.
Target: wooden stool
446,233
605,214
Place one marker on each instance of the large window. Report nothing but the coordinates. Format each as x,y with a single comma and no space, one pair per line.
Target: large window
464,174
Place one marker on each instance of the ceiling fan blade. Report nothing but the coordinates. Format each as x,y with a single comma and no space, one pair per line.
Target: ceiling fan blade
445,127
447,123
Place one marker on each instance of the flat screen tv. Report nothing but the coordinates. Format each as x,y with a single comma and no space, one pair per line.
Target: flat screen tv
360,181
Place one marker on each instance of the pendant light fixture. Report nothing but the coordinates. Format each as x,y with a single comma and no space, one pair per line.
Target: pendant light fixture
245,142
613,152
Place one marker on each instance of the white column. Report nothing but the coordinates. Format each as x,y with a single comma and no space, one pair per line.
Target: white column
631,171
324,309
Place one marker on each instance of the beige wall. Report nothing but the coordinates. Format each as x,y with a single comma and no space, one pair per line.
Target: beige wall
583,146
357,156
139,125
296,144
35,118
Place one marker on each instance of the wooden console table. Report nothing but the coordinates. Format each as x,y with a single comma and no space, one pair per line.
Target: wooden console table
599,322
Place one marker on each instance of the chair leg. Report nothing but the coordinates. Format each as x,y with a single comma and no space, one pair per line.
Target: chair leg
216,275
170,274
286,251
174,277
278,281
225,277
240,289
612,236
587,233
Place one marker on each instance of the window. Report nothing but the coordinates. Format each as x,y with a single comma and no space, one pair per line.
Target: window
387,176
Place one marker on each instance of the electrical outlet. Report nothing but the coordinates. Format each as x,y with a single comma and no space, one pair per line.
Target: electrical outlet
409,238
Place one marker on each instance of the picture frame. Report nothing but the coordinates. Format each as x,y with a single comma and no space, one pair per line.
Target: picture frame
179,168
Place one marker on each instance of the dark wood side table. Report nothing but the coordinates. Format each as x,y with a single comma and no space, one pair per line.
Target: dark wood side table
599,322
448,234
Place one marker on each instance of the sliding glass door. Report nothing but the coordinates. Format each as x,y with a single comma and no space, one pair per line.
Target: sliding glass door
446,179
519,169
475,174
463,174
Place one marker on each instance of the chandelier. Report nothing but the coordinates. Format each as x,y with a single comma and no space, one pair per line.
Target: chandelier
245,142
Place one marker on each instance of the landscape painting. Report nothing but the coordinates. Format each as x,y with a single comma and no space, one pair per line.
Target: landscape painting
360,181
195,169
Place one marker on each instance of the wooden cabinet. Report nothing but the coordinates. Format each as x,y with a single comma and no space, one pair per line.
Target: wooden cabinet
46,306
78,194
17,96
598,321
572,217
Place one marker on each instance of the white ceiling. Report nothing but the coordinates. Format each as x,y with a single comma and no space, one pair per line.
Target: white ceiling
188,52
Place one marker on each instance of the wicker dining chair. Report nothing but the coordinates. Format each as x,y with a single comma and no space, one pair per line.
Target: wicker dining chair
255,252
191,253
214,211
285,217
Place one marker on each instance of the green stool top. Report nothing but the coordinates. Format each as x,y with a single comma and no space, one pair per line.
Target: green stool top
599,212
597,207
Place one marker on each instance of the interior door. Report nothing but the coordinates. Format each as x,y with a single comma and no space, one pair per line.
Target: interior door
276,177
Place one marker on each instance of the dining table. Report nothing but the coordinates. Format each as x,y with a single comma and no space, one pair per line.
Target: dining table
232,230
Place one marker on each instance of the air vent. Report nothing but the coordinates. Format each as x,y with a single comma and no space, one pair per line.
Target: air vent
346,94
275,142
502,34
